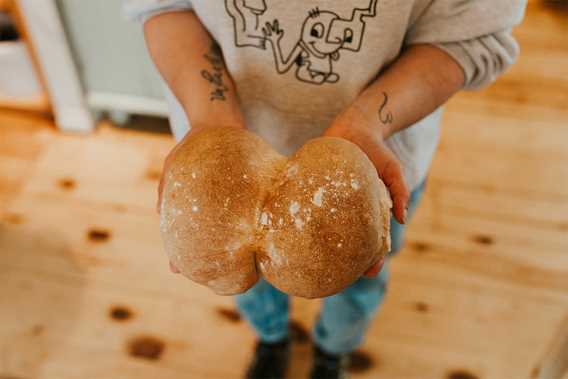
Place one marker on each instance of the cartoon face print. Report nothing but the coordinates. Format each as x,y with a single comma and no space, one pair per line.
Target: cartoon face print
316,34
324,33
350,31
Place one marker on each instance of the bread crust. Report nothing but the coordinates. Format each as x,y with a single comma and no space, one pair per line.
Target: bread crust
234,210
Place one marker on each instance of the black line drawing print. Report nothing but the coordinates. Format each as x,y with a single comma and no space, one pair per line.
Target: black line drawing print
324,34
245,15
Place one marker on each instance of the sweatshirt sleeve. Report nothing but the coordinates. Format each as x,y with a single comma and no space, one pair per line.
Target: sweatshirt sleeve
142,10
476,33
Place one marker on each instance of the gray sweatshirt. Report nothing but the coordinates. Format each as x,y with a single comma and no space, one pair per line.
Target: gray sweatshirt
291,85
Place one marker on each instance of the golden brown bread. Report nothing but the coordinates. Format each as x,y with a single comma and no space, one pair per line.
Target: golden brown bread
234,209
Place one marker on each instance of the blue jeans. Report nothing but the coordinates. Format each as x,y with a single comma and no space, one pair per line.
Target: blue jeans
345,316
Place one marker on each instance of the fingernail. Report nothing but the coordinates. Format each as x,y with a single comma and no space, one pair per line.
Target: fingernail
405,215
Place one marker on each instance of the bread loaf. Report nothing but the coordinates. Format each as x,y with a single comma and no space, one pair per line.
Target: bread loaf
233,210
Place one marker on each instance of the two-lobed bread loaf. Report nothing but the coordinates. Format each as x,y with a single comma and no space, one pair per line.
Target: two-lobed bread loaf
233,210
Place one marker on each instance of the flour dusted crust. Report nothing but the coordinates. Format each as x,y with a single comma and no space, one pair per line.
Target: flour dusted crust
234,209
326,222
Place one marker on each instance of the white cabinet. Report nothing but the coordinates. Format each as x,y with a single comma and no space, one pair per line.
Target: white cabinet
19,86
110,53
91,59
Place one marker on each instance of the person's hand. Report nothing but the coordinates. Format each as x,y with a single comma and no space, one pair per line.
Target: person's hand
168,161
354,127
375,269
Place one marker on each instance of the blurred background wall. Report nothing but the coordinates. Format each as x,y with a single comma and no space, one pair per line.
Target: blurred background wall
77,60
111,56
479,292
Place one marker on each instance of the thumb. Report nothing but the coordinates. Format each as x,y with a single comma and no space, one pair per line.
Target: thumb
393,177
174,269
391,173
375,269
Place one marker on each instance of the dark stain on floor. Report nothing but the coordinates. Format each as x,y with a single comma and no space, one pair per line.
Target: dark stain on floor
120,208
556,5
153,175
298,332
360,361
67,184
461,374
120,313
146,347
563,227
14,218
420,247
229,314
535,372
98,235
37,330
422,307
483,239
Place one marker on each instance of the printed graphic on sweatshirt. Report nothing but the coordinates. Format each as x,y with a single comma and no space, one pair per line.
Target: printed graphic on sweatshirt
324,34
246,17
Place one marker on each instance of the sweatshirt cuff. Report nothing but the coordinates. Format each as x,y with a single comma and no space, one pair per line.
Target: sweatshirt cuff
483,59
143,10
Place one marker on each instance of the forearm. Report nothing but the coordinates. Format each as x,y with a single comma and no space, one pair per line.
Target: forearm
417,83
192,65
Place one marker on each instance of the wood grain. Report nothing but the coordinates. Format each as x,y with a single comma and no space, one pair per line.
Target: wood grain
6,5
480,290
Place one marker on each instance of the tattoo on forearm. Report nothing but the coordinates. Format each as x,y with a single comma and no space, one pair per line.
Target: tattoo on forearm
385,116
215,75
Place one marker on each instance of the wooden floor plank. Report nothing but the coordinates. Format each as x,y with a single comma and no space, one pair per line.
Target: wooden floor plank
479,291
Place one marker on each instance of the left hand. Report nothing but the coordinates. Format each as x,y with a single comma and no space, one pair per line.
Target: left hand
353,126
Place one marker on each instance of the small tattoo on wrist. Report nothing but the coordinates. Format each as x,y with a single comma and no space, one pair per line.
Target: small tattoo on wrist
385,116
215,76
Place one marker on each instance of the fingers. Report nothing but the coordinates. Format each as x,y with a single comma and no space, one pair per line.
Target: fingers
174,269
391,173
375,269
387,164
393,177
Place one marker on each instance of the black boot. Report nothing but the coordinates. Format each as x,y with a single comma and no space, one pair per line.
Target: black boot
270,361
329,366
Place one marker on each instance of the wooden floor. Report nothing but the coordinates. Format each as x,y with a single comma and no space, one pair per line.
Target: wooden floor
480,291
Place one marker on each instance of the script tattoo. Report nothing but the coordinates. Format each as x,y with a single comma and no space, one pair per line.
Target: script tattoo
215,75
385,116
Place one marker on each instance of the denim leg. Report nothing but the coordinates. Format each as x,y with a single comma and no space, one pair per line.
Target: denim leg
266,310
345,316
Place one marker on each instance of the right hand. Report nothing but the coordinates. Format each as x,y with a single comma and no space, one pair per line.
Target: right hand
353,126
168,161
